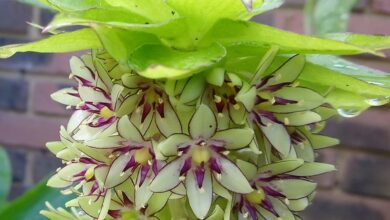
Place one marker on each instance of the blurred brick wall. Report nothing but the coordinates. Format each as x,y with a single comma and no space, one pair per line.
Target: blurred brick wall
360,190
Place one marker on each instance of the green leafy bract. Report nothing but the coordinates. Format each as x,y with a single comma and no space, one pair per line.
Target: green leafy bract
66,42
157,61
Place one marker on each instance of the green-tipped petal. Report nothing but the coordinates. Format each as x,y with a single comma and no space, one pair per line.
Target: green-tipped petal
312,169
193,89
294,188
235,138
128,130
299,118
63,97
170,123
216,76
281,167
168,147
203,123
168,177
115,175
232,178
277,135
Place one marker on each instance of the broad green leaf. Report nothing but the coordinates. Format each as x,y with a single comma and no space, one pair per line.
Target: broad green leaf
67,42
229,32
95,16
343,90
5,176
376,42
71,5
32,202
157,61
121,43
202,14
328,16
372,76
154,10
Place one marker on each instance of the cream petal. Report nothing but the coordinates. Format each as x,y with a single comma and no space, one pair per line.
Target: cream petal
168,177
200,199
168,147
203,123
232,177
235,138
128,130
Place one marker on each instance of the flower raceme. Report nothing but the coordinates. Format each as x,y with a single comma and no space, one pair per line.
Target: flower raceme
156,153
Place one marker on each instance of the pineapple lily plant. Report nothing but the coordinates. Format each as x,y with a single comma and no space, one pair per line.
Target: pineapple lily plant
188,110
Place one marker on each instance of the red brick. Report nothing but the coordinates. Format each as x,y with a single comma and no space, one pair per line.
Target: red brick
28,131
289,19
14,16
47,64
369,24
369,131
336,205
41,101
378,63
365,174
381,6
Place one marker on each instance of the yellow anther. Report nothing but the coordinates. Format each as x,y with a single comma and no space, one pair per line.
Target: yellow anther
201,155
256,196
106,113
142,156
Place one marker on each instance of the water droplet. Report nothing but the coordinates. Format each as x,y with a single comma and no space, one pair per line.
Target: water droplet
377,83
378,101
349,112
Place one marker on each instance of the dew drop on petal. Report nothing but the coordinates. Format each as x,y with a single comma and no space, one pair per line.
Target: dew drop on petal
378,101
349,112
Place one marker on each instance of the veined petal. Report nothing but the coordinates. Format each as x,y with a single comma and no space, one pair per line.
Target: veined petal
89,94
277,135
281,209
67,173
117,174
168,147
232,178
235,138
106,142
63,96
157,202
76,120
281,167
170,123
142,193
91,205
78,68
203,123
294,188
168,177
128,130
199,199
105,206
116,92
237,113
57,182
127,106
